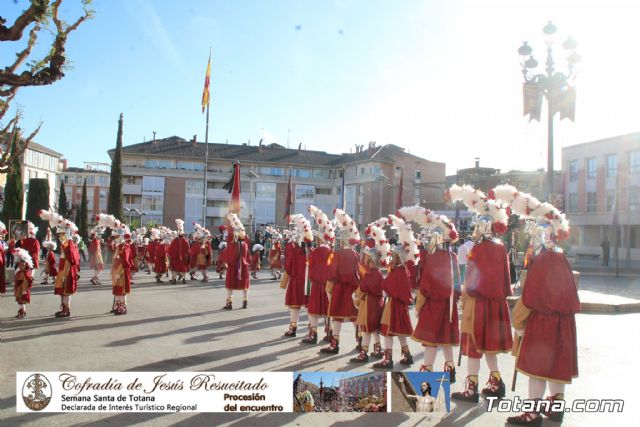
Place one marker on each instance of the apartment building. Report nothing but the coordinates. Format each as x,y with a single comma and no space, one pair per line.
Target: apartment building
97,176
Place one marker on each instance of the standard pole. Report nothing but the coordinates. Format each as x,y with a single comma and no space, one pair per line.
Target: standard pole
550,150
206,159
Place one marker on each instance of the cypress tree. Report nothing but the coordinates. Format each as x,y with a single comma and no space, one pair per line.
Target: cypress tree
12,206
37,199
63,204
114,206
83,224
78,214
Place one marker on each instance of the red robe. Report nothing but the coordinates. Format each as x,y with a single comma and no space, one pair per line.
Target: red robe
95,255
274,256
439,276
194,250
255,261
160,258
121,268
50,266
3,280
31,245
343,273
370,308
295,264
395,316
179,255
487,279
150,255
549,347
67,277
220,262
236,256
318,274
22,286
412,269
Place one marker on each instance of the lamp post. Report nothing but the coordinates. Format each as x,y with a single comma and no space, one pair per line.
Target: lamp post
553,85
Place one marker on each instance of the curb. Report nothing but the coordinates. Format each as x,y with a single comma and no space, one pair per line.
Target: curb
597,308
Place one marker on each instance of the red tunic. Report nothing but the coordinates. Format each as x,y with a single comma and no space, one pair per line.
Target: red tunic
343,272
373,302
67,281
318,274
121,268
22,286
487,279
50,266
412,268
439,276
274,256
150,255
220,262
194,250
255,261
179,255
295,264
203,258
236,255
95,255
160,259
549,347
3,282
31,245
395,316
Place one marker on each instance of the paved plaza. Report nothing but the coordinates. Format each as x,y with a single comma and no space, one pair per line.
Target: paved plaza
182,328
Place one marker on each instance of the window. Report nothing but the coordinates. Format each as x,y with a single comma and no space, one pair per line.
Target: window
612,165
591,168
91,180
152,203
212,185
361,171
153,184
634,162
573,170
319,173
375,170
266,190
158,163
573,202
418,174
193,166
591,201
302,173
634,200
194,187
131,180
305,192
416,195
129,199
65,178
611,198
271,171
325,191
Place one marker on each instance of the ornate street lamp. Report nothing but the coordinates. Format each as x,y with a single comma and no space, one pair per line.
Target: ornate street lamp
556,87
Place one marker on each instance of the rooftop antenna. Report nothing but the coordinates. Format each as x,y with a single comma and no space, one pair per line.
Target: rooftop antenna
288,132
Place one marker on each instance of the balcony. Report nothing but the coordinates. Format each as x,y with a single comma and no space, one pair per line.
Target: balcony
217,212
217,194
132,189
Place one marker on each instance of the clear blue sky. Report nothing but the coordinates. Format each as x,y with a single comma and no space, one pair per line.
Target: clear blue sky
433,378
441,78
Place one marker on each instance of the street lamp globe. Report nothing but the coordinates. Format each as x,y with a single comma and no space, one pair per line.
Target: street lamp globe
525,49
550,29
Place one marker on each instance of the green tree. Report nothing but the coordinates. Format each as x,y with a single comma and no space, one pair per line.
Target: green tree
63,204
77,214
114,206
38,199
12,207
83,224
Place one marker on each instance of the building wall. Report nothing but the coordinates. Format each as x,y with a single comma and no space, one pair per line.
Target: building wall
174,195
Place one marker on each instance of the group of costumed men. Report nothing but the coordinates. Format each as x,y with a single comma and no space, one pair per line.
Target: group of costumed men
373,290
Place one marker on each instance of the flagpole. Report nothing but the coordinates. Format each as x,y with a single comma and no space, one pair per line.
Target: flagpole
206,159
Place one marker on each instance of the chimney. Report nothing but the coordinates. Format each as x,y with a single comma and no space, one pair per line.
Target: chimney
477,159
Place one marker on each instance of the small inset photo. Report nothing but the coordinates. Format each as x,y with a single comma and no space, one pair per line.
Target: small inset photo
420,392
339,392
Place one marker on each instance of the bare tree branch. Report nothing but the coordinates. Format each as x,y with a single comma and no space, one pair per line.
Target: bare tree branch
35,13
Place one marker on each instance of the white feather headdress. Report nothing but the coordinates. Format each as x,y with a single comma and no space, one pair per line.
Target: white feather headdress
303,228
22,255
476,201
382,247
179,226
407,245
236,224
347,226
326,232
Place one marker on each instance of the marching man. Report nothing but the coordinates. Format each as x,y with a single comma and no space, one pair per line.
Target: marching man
95,255
32,245
296,267
275,254
544,317
221,265
343,279
23,281
485,329
236,257
200,252
436,306
369,299
50,262
179,255
318,274
395,320
121,263
160,260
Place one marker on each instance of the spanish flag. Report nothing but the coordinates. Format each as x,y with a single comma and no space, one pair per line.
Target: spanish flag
205,92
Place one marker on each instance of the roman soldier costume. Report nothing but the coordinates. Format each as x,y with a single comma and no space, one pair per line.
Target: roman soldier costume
200,252
436,305
179,255
318,275
221,265
23,281
395,320
485,324
160,261
255,259
96,262
545,342
296,266
236,257
369,299
275,253
31,244
50,262
343,278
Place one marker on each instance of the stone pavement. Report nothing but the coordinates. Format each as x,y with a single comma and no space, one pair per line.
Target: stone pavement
181,328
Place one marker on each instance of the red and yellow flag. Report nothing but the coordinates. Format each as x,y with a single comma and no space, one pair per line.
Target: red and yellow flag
205,92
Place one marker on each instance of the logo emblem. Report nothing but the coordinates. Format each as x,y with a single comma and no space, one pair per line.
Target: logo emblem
36,392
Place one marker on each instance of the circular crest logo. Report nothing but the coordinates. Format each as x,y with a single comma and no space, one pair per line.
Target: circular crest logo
36,392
